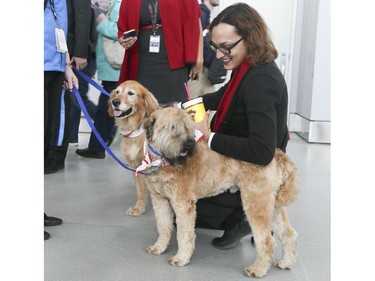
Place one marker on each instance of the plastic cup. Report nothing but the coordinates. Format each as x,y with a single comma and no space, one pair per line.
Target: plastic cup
195,108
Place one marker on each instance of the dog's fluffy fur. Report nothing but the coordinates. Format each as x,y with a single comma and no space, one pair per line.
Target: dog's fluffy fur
195,171
130,103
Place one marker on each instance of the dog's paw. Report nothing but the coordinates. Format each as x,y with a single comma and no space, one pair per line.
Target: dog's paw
135,212
154,250
284,263
176,261
253,271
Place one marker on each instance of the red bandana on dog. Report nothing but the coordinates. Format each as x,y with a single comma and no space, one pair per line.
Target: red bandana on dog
228,95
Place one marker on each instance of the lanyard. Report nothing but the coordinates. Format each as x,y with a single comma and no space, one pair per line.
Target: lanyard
54,11
153,7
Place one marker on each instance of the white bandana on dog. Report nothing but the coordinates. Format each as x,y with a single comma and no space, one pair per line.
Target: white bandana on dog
148,163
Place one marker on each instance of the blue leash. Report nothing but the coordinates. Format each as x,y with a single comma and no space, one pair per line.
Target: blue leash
91,124
91,81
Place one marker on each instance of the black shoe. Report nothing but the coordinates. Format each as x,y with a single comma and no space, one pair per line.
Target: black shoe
88,153
51,221
46,235
52,166
232,235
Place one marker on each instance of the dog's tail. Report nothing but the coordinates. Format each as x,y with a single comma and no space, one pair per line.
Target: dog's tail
288,190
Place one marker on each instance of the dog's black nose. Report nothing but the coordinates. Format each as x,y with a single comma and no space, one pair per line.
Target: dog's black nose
189,145
116,102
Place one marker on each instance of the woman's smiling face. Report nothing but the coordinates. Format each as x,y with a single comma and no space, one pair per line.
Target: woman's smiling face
224,35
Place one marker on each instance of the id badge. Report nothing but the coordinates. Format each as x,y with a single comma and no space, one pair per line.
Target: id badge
60,41
154,44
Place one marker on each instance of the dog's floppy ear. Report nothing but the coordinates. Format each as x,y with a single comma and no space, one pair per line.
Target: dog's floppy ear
110,109
151,103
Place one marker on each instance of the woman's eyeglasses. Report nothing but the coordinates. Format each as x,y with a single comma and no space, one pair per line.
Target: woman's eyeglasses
223,49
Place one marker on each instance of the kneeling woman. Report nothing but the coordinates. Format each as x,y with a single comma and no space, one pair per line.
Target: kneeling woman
251,118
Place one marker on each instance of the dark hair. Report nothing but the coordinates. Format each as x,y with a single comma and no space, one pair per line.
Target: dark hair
251,26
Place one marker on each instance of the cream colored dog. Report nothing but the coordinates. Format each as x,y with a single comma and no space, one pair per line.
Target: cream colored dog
189,171
130,103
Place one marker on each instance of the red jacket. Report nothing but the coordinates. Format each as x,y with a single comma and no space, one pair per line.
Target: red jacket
180,23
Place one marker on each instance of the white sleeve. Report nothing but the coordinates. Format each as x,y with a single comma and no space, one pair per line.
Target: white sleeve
210,139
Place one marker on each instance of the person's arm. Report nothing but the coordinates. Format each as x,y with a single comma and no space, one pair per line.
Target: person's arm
198,67
261,97
70,78
123,22
82,25
202,126
212,100
128,16
205,19
107,24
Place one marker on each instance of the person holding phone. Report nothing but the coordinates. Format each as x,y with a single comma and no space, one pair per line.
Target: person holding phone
167,49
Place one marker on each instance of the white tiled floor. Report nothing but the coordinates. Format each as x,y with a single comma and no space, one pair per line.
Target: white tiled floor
98,242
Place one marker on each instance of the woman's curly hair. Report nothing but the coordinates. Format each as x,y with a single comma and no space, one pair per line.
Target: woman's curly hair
251,26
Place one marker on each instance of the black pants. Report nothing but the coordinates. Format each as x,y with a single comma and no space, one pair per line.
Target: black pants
219,212
56,116
75,111
103,122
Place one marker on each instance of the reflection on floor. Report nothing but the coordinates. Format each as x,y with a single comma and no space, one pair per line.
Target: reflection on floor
98,242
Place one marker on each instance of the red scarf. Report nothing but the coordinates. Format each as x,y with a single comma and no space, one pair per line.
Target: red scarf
229,92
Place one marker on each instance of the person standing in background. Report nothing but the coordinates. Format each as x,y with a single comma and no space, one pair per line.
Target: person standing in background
82,37
57,72
168,47
211,65
206,7
106,26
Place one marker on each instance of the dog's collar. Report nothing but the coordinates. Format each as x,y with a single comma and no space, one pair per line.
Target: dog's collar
132,134
198,135
148,162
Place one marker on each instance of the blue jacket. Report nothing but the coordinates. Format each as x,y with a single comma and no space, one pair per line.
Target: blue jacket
108,28
53,60
205,17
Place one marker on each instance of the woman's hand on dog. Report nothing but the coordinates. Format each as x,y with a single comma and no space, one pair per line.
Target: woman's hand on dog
203,126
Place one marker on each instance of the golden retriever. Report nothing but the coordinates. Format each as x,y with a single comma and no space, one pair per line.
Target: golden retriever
130,103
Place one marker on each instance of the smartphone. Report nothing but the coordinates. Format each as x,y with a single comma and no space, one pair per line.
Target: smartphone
130,33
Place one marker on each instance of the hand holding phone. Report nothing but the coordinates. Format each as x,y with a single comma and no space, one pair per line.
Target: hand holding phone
130,33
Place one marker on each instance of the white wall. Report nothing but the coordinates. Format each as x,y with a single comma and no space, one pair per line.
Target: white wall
279,17
310,105
321,97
